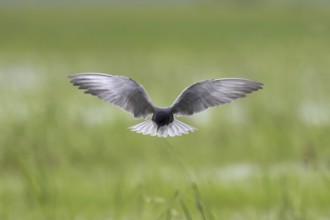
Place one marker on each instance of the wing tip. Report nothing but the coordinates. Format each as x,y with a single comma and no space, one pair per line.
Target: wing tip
261,85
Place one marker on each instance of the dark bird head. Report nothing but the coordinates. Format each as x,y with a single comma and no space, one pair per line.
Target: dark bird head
162,117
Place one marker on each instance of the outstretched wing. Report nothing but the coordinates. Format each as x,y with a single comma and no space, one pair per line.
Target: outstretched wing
202,95
118,90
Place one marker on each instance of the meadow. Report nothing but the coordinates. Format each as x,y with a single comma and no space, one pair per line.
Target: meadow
66,155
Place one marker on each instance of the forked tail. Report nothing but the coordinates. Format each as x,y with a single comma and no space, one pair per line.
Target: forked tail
175,128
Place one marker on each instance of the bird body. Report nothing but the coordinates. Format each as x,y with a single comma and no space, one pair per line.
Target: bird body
131,97
162,116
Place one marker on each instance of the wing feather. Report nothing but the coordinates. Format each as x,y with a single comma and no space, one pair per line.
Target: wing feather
202,95
118,90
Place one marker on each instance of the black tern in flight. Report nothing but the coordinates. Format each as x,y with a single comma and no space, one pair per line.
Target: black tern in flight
131,97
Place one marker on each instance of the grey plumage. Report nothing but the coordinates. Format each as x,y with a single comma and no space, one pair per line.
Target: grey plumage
118,90
202,95
131,97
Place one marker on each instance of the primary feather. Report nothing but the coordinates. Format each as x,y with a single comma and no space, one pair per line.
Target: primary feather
202,95
118,90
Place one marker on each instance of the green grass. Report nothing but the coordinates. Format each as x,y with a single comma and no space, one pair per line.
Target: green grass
66,155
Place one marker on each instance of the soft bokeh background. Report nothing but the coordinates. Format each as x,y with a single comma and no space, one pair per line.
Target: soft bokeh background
66,155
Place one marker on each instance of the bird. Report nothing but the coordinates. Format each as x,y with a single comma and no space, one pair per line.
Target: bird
131,97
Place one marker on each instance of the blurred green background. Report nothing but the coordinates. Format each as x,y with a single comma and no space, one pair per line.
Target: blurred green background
66,155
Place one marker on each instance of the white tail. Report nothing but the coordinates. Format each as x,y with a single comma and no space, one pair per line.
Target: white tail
175,128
